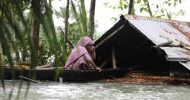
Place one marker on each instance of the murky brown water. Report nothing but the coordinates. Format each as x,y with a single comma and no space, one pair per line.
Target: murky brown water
94,91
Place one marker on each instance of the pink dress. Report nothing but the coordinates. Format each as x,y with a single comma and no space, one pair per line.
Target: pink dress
79,57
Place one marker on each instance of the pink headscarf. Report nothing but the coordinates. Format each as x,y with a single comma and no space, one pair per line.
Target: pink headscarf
79,50
84,41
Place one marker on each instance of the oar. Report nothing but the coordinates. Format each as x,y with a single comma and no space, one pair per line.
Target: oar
28,79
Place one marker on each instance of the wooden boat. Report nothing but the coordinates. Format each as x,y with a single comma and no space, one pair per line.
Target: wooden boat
66,75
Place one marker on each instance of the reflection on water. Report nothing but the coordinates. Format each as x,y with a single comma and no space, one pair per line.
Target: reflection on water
95,91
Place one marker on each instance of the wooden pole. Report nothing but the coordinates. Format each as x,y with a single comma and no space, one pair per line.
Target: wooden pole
28,79
105,62
114,63
163,44
110,36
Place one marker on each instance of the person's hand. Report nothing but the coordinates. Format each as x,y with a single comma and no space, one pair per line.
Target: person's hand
98,69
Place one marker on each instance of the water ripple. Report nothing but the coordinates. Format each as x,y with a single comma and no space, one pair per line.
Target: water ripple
96,91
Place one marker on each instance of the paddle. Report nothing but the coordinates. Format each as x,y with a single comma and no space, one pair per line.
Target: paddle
28,79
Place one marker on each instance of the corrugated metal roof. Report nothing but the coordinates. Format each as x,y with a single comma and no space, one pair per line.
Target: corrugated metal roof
176,53
134,36
186,64
161,30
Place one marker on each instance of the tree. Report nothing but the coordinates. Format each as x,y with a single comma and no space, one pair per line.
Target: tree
66,21
148,7
36,27
161,8
130,10
91,18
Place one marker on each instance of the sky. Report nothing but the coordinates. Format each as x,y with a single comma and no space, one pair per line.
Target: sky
104,15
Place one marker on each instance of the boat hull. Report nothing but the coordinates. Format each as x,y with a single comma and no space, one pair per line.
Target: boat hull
54,74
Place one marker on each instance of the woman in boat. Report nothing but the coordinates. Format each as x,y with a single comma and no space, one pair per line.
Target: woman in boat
82,56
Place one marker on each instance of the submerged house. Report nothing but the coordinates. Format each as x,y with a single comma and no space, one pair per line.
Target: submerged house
144,43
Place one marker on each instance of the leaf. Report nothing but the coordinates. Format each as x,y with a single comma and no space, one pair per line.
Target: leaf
2,72
83,16
138,1
169,15
162,10
169,4
74,10
141,9
145,1
125,6
146,9
120,7
157,6
179,1
76,15
6,50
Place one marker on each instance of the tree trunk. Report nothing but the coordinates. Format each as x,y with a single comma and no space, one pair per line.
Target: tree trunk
35,32
66,22
131,4
91,18
36,23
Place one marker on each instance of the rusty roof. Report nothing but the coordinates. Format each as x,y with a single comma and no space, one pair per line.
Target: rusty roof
132,36
162,30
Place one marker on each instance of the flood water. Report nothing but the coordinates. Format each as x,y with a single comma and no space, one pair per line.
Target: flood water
93,91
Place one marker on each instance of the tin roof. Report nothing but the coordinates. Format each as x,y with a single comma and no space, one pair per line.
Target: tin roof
133,36
161,31
177,54
186,64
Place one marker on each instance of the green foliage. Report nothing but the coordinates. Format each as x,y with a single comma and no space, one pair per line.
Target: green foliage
160,10
78,20
164,11
143,9
16,33
121,4
83,16
17,18
139,1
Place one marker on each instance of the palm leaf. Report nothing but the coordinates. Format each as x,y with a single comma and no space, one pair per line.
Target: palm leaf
76,16
6,50
1,72
83,16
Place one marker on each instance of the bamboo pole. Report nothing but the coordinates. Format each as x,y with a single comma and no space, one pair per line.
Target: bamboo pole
114,63
28,79
104,63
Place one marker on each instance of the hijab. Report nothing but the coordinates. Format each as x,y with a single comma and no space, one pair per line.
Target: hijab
79,50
